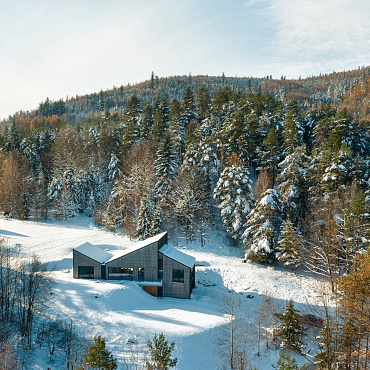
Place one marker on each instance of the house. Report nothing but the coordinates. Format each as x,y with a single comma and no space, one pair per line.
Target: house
158,268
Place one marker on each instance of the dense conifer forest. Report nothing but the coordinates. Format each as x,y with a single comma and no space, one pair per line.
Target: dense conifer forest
282,166
266,158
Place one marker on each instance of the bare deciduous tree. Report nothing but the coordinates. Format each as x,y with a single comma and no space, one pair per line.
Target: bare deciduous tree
14,182
233,335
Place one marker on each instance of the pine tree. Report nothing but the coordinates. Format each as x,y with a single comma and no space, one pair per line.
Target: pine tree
65,206
262,228
234,191
132,111
289,246
101,101
160,351
158,129
70,183
132,128
156,225
187,203
189,111
201,166
176,126
285,362
325,124
290,329
99,357
165,168
13,142
356,228
292,129
130,135
335,168
152,81
165,108
146,120
203,103
144,221
293,183
270,154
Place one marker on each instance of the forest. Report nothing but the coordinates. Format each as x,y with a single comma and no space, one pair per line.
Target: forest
282,166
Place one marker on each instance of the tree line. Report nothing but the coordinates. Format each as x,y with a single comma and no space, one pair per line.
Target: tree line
287,182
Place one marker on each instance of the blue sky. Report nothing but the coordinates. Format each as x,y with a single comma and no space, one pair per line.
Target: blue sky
53,48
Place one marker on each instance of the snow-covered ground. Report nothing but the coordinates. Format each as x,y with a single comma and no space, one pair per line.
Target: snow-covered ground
122,312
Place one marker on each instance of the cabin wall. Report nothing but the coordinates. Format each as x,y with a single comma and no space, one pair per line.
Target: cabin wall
146,258
174,289
80,259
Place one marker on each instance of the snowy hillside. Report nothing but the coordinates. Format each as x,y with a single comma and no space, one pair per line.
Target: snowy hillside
123,313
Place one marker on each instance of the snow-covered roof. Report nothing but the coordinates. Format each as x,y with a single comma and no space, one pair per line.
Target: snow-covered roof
100,255
178,256
137,246
94,252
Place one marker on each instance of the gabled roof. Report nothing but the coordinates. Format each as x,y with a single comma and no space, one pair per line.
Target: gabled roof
178,256
100,255
142,244
94,252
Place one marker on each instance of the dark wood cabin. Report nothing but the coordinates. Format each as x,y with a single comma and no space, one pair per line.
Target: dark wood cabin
161,270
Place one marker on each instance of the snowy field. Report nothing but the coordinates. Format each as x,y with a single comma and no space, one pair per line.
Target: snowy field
123,312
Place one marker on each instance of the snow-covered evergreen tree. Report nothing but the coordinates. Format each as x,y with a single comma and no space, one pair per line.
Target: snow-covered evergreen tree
146,120
201,164
113,169
290,329
144,220
166,165
159,127
187,202
176,126
189,111
270,154
262,228
289,246
165,108
293,183
156,225
234,191
65,206
292,129
70,183
337,170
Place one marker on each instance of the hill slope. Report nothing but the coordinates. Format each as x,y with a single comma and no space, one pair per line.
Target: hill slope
331,88
123,313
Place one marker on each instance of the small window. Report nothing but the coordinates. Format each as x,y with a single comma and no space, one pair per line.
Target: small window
160,262
141,275
160,266
177,276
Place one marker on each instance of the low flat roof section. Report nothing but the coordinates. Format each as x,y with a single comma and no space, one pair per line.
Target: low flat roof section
178,256
93,252
149,283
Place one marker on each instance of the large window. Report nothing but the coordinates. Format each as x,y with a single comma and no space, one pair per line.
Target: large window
121,273
177,276
85,272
